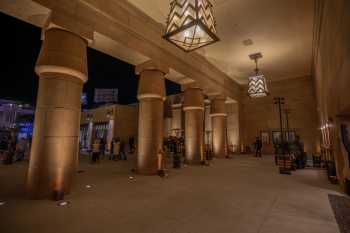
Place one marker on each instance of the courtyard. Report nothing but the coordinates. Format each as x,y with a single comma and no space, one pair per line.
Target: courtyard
243,194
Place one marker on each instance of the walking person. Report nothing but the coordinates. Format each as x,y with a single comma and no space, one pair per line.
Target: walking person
116,149
131,145
111,151
21,148
11,148
300,152
122,151
177,155
258,147
95,151
5,148
160,162
103,145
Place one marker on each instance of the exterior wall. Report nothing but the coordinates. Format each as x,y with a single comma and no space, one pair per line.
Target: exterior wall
98,115
126,122
332,75
262,115
122,119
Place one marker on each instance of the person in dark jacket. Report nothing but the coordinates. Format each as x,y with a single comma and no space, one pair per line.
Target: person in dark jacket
131,145
122,151
258,147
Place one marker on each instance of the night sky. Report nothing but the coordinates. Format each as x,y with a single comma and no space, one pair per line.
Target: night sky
21,44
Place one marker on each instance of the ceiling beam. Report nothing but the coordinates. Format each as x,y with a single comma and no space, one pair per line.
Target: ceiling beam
122,22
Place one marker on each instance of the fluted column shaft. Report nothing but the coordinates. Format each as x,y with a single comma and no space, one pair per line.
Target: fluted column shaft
219,127
62,68
194,124
151,95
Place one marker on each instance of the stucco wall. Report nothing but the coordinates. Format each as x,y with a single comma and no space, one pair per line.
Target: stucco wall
262,115
332,73
125,118
126,122
233,126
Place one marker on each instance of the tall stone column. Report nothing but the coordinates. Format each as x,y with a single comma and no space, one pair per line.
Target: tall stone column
168,116
219,127
194,124
176,123
62,68
151,94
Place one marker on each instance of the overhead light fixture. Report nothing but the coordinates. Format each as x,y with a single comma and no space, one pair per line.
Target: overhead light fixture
191,24
257,86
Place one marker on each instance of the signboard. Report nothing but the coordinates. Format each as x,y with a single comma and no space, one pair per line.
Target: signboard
105,96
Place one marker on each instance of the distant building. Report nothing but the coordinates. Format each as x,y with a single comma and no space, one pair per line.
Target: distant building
15,115
108,122
105,96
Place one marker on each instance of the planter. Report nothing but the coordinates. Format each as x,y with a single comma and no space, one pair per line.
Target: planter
285,164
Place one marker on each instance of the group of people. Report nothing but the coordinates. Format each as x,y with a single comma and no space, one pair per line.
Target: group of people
294,148
13,150
116,149
175,146
298,145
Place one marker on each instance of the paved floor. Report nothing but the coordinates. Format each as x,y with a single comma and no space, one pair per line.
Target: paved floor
243,195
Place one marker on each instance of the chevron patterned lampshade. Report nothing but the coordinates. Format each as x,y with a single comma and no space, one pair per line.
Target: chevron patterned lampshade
191,24
257,86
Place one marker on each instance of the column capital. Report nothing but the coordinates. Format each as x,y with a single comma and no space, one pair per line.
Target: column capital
218,106
63,52
151,65
218,97
151,84
194,99
189,85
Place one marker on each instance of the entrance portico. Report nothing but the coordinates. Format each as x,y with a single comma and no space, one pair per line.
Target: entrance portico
299,121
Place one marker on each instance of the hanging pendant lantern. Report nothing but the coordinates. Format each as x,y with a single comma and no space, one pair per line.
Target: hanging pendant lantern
257,86
191,24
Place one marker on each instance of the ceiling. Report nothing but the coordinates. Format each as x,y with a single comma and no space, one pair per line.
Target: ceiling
282,30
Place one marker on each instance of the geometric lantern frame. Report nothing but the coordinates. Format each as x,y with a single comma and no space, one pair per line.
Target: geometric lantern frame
257,86
191,24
